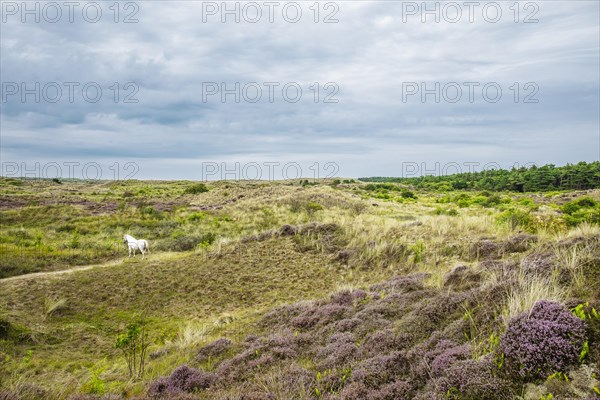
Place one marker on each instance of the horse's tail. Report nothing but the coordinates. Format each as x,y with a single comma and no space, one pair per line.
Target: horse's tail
146,246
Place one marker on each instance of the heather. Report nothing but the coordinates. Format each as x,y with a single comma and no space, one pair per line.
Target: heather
545,340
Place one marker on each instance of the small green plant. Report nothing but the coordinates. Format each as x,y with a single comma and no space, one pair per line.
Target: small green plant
584,351
584,311
133,343
196,216
311,208
95,384
418,250
74,243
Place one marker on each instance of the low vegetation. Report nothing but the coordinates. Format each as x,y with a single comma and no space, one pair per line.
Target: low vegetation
328,289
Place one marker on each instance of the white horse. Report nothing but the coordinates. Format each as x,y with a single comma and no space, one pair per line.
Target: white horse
135,244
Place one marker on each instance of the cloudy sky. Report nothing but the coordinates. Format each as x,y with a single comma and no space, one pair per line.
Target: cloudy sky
206,90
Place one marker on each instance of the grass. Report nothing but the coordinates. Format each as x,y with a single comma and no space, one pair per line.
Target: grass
218,263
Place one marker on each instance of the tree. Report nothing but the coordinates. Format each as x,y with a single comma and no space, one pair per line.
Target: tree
134,344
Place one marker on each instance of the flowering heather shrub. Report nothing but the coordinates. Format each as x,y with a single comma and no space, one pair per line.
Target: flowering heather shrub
547,339
282,315
401,283
385,341
443,361
416,327
183,379
347,297
340,350
398,390
371,323
462,278
473,380
381,369
443,305
214,349
322,315
390,309
282,345
346,325
520,243
355,391
486,249
539,263
263,361
423,354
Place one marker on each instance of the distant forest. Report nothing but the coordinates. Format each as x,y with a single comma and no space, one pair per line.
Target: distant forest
579,176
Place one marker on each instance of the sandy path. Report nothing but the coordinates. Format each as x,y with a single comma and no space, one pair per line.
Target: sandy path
59,272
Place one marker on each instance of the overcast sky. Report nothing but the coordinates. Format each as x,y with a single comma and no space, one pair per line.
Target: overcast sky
366,115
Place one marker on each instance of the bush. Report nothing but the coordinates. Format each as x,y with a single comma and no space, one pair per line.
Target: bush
543,341
518,218
473,380
214,349
183,379
196,188
407,194
187,242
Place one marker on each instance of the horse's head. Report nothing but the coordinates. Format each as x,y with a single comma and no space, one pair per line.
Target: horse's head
125,239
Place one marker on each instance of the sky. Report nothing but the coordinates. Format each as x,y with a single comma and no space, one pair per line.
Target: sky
270,90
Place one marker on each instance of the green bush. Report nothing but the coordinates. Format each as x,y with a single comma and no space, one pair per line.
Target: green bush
196,216
196,188
182,242
463,203
407,194
445,211
584,209
518,218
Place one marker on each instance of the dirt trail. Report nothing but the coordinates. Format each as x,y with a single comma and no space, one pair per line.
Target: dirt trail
161,256
59,272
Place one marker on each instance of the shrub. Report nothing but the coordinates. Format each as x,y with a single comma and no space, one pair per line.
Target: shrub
182,379
187,242
518,218
196,188
545,340
586,202
381,369
214,349
473,380
450,356
407,194
133,343
341,349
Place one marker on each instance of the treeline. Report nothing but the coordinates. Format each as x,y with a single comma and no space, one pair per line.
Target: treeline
579,176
